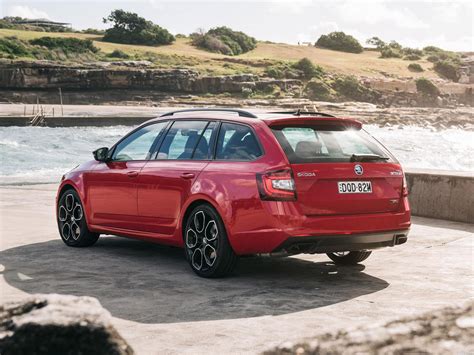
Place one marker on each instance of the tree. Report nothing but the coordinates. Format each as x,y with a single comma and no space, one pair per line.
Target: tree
339,41
308,69
376,42
224,40
130,28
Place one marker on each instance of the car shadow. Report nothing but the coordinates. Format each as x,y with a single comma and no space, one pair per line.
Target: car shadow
148,283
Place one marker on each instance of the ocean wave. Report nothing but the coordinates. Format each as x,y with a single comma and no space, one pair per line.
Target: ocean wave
43,154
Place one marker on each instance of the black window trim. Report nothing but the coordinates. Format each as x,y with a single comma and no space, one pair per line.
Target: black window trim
155,147
157,139
238,160
154,154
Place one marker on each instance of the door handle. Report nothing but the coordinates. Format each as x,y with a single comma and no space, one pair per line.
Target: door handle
132,174
187,175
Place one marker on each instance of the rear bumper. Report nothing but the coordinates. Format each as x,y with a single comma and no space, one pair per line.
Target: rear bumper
336,243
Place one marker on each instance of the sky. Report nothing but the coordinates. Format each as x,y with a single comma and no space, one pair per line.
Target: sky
446,24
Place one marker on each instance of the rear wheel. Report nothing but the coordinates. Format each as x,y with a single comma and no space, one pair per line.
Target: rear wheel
206,245
72,221
349,257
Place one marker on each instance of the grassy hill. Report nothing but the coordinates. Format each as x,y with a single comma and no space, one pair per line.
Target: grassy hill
182,54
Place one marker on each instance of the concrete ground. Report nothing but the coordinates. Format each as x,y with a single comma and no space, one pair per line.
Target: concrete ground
160,306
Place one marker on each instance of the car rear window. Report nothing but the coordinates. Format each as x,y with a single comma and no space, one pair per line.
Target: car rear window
328,143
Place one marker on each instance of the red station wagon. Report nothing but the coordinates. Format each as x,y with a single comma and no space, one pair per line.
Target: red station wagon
222,183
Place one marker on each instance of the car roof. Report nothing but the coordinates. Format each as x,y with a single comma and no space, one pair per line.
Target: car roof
270,118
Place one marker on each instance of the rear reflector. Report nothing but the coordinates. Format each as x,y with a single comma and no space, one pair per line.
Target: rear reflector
276,185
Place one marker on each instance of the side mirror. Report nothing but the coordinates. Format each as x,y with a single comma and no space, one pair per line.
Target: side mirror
101,154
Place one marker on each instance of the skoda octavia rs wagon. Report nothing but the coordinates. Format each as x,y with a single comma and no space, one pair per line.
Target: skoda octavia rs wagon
226,183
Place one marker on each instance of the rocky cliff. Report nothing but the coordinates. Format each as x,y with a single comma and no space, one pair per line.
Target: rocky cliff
27,81
45,75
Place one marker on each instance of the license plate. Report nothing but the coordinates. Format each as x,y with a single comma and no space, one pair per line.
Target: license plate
354,187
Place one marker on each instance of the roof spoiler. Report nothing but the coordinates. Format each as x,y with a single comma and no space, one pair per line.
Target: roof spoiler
299,112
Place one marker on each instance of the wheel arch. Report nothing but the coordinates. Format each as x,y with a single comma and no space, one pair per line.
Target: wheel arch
189,208
66,186
69,185
202,199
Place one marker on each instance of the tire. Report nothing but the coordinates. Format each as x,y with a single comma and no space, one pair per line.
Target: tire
206,245
349,258
72,221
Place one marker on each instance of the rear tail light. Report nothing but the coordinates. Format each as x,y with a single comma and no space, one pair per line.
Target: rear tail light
277,185
404,186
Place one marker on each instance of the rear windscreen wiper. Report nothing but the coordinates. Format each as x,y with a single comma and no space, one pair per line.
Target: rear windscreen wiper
367,157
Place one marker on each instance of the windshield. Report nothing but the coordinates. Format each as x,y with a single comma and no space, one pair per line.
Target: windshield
311,144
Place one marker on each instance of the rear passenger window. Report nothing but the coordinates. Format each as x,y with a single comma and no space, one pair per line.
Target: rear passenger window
203,150
182,139
237,142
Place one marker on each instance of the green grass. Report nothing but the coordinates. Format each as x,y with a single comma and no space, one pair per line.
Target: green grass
182,54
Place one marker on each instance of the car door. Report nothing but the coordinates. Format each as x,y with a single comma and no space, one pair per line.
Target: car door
165,182
112,185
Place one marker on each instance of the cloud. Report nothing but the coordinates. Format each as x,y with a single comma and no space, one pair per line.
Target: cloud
293,7
383,13
313,33
26,12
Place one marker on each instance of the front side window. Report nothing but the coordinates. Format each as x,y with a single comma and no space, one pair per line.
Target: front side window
326,143
137,146
182,140
237,142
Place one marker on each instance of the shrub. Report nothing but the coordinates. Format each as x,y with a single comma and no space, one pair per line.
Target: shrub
339,41
211,43
308,69
318,90
447,69
13,47
433,58
67,45
415,67
390,53
93,31
130,28
117,53
426,87
350,87
395,45
412,57
412,51
432,49
283,71
224,40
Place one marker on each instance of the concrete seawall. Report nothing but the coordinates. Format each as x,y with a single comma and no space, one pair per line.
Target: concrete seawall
441,194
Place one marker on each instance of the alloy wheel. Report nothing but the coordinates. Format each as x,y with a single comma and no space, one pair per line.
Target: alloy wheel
70,215
201,239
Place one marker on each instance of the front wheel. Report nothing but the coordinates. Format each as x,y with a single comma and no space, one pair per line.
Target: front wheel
349,257
206,245
72,221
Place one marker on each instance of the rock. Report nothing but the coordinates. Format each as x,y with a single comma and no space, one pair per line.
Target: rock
58,324
448,330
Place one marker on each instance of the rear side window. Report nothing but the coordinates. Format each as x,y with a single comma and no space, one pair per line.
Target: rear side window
313,144
182,139
237,142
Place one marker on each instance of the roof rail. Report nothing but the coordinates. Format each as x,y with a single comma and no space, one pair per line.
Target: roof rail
241,113
299,112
